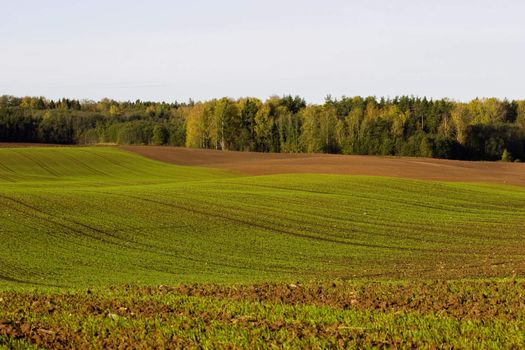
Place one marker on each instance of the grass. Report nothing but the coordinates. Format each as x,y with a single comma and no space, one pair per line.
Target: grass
78,218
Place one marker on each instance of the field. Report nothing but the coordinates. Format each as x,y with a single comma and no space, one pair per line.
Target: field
314,163
323,315
102,247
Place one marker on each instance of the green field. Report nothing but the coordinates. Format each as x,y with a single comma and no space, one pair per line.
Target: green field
101,218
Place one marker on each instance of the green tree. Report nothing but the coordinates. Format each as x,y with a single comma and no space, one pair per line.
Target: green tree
520,119
57,127
160,135
461,118
248,108
177,127
264,124
328,130
486,111
197,127
224,124
505,156
310,133
352,124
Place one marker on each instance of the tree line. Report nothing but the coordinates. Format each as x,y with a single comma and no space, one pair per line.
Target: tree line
482,129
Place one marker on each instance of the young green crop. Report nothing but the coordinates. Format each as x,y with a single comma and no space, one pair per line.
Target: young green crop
79,217
330,315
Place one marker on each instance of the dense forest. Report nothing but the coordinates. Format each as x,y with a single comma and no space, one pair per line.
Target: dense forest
482,129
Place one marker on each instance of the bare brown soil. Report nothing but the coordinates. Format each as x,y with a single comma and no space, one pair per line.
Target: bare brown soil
281,163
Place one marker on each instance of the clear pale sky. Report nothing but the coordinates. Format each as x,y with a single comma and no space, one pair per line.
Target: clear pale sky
174,50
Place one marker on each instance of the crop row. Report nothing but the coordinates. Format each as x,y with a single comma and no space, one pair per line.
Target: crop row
476,314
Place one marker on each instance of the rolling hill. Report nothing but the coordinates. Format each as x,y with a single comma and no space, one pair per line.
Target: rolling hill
77,217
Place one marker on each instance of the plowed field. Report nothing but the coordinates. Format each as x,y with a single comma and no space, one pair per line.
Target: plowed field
282,163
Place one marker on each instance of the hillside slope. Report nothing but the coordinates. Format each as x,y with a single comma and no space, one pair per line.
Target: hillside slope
253,163
102,216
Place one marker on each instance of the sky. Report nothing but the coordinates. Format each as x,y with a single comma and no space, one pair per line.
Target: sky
201,49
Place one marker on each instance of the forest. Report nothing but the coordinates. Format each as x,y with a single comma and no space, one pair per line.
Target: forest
482,129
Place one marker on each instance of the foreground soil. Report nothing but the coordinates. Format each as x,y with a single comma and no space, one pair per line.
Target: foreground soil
445,315
281,163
